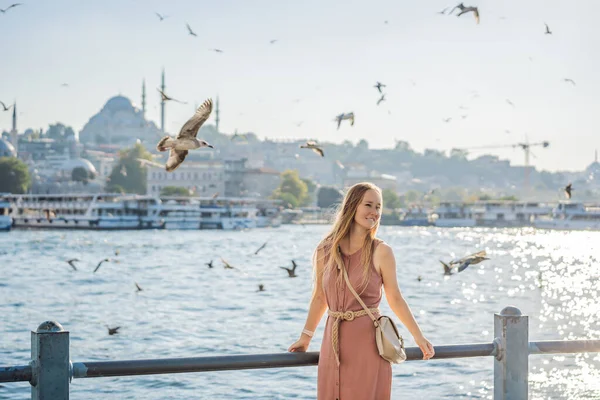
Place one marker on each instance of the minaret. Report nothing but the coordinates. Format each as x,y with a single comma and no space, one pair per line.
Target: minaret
217,119
162,104
13,133
596,156
144,98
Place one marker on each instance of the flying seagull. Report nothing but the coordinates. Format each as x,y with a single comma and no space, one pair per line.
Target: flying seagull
164,97
510,102
100,263
379,85
216,50
446,120
273,41
226,265
569,80
291,271
314,147
9,7
113,331
339,164
71,263
548,31
190,31
472,259
260,248
382,98
261,288
568,190
137,287
464,10
447,268
348,116
161,17
4,106
186,140
214,196
210,264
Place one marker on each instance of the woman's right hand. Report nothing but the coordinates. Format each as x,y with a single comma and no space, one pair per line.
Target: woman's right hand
301,345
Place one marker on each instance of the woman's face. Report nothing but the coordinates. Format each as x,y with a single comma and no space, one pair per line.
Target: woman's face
369,210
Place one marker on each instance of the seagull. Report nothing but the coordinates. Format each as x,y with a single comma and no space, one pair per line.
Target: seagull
349,116
216,50
261,288
226,265
446,120
123,171
144,163
382,98
548,31
419,278
510,102
299,124
214,196
116,252
190,31
4,106
260,248
9,7
71,261
64,85
112,331
314,147
472,259
291,271
273,41
137,287
568,190
443,12
339,164
210,264
464,10
570,81
100,263
379,85
186,140
161,17
447,268
164,97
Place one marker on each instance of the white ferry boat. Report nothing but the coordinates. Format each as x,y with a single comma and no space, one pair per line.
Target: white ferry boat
415,216
93,211
207,213
571,216
453,215
6,220
508,213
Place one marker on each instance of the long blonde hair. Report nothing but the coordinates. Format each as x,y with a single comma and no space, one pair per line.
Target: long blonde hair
341,228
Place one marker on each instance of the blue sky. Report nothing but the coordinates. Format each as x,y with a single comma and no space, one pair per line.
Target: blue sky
328,56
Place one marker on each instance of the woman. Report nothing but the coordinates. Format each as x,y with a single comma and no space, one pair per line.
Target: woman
349,364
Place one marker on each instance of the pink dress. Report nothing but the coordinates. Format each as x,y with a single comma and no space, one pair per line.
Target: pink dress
362,373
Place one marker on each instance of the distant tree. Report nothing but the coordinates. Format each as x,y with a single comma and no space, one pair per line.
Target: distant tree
291,184
81,174
391,200
511,197
174,191
458,154
329,196
14,176
134,179
289,200
412,196
59,131
484,197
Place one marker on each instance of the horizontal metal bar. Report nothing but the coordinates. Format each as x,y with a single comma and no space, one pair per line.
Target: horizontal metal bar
255,361
564,346
20,373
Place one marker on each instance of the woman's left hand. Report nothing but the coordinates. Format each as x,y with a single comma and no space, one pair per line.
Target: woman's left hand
425,346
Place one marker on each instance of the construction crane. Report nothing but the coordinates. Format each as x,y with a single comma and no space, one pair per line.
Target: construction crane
526,146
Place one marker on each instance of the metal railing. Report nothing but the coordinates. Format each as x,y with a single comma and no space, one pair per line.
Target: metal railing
51,371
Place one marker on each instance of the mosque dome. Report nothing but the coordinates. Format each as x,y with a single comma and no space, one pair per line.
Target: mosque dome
119,103
7,149
68,166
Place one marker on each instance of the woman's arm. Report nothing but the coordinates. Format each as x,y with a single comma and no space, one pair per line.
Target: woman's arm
318,306
386,263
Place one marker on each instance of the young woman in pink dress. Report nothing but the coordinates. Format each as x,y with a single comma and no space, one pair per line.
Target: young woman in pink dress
350,367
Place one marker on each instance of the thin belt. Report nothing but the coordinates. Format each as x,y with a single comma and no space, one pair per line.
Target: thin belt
343,316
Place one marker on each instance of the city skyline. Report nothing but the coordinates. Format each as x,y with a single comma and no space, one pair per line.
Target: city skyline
505,75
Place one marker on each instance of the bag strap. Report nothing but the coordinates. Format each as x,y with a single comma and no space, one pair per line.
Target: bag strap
358,297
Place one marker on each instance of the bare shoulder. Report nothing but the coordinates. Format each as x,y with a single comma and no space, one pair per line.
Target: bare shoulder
383,256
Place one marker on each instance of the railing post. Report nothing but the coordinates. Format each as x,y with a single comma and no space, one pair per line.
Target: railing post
50,362
511,365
